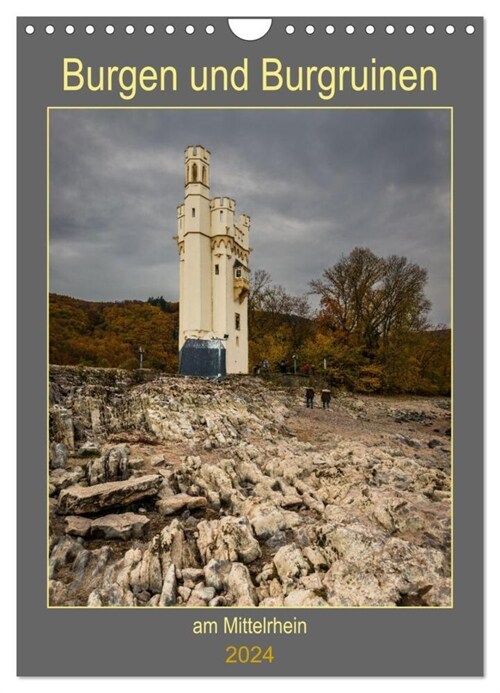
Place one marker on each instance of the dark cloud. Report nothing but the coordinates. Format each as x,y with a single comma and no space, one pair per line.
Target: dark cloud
315,183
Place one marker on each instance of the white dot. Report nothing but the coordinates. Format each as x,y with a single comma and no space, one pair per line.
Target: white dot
410,29
330,29
49,29
290,29
450,29
349,29
470,29
130,28
170,29
89,29
309,29
70,29
190,29
389,29
429,29
30,29
370,29
110,29
210,29
150,29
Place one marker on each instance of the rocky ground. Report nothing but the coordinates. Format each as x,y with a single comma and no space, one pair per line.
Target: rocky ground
169,491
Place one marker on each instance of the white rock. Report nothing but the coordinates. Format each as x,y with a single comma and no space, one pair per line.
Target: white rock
290,563
168,596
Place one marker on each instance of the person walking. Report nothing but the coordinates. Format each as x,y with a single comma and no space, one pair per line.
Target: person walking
309,397
326,396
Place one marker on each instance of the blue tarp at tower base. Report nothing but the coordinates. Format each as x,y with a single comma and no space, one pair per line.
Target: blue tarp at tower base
203,357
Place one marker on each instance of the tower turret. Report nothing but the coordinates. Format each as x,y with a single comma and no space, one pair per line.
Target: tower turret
197,165
222,215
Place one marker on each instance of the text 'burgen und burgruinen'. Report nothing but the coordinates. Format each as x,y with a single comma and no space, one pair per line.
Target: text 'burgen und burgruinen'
324,81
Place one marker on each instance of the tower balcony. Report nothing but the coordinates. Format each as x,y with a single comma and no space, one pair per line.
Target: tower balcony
241,282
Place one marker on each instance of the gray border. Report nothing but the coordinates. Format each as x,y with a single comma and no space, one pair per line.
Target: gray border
371,642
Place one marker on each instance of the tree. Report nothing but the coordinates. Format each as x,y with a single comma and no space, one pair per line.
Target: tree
403,303
375,311
349,292
260,282
370,297
278,323
273,298
162,303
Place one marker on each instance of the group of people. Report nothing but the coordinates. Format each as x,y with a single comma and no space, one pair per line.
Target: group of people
326,393
282,367
261,368
326,397
264,367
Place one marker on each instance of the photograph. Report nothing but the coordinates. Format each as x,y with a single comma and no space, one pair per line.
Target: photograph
249,377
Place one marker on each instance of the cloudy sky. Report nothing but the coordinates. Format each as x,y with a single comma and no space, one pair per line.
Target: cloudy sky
315,183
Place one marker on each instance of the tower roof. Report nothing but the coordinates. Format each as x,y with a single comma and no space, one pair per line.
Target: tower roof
197,150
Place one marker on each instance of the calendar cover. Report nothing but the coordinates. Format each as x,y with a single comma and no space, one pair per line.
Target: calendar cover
250,319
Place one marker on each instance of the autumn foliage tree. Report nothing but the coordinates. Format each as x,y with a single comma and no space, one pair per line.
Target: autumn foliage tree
372,297
374,311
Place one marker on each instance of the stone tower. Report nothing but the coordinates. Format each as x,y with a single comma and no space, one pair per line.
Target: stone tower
214,275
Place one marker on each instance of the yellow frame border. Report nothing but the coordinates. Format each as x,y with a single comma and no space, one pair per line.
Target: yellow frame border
253,108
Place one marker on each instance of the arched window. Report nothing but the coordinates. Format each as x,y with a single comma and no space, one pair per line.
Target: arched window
204,175
195,173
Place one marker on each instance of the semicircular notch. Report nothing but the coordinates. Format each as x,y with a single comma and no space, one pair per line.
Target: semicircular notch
250,29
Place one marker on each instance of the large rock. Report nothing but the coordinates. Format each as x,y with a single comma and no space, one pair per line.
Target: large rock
290,563
228,539
240,585
304,598
77,526
174,548
63,478
58,455
89,449
368,568
78,500
124,526
61,422
168,596
112,466
94,599
57,593
65,551
233,579
266,525
178,502
215,479
147,574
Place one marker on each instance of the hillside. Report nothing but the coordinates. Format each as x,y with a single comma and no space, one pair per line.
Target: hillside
109,335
